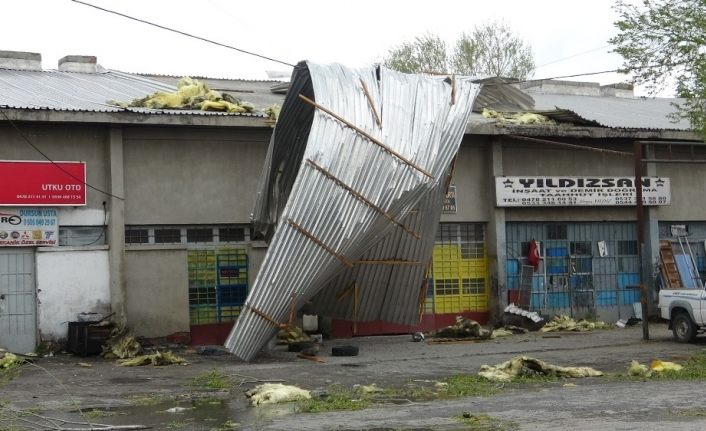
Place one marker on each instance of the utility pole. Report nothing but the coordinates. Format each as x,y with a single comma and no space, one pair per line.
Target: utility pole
641,236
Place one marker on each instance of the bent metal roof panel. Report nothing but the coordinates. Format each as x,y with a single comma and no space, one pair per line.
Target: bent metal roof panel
355,152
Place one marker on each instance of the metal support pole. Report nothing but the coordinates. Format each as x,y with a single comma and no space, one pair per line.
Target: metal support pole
641,236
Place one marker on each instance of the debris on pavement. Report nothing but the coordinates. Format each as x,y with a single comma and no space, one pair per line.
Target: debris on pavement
621,323
519,317
157,359
292,334
418,336
566,323
177,409
121,344
501,332
368,389
84,364
637,369
8,360
273,393
464,328
659,366
527,366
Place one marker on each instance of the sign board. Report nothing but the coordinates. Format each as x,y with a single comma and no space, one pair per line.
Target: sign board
22,227
579,191
449,206
35,183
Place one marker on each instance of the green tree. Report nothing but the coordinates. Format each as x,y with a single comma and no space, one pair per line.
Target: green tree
426,53
493,49
490,49
664,42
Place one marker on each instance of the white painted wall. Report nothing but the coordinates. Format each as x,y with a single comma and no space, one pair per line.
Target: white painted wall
70,282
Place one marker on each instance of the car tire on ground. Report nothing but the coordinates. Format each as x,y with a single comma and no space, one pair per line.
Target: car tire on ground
683,328
344,351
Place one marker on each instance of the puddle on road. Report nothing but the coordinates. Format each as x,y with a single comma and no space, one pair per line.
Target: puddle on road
211,414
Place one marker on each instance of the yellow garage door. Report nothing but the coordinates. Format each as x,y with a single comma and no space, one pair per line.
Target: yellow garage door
460,269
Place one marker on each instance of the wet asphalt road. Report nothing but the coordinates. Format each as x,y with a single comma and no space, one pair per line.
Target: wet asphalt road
584,404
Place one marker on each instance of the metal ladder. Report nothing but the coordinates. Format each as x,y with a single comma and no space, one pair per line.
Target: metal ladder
685,247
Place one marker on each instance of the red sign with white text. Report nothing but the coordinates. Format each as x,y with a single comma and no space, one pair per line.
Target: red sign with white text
42,183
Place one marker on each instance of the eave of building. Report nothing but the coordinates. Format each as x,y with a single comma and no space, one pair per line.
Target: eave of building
570,131
134,118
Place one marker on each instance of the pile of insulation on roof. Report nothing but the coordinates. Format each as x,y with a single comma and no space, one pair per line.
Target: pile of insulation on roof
190,94
517,117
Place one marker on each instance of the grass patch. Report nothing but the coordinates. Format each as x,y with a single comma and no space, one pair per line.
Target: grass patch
338,399
469,385
213,379
484,422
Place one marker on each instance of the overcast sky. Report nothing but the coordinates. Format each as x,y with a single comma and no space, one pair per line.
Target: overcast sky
567,37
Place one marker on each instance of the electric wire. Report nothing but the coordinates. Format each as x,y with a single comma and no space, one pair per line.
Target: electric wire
568,57
31,144
291,65
183,33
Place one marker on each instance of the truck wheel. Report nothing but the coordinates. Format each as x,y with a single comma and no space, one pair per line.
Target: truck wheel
683,328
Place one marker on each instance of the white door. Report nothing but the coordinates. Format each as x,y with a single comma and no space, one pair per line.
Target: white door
18,300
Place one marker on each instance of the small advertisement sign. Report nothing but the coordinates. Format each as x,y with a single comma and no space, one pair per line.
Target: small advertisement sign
449,205
40,183
22,227
579,191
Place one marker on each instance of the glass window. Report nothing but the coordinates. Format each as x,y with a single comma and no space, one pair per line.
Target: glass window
201,234
231,234
473,285
627,248
136,236
167,235
557,231
82,235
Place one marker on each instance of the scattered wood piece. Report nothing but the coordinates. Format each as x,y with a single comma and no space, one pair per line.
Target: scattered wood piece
311,358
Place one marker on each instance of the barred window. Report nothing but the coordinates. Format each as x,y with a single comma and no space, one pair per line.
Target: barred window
200,234
136,236
473,286
231,234
168,235
446,286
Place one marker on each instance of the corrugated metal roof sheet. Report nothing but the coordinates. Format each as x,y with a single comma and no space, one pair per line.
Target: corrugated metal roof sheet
86,92
613,112
321,226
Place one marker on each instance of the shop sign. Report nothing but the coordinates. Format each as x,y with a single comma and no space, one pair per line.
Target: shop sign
22,227
449,206
579,191
33,183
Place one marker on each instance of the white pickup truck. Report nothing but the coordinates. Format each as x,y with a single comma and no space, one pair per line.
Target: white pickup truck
685,309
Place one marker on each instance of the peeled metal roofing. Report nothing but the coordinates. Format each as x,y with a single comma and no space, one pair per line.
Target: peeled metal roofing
86,92
388,283
331,192
613,112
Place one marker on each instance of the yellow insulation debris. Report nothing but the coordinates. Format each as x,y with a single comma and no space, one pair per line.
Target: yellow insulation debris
190,94
158,358
526,366
272,393
517,117
566,323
